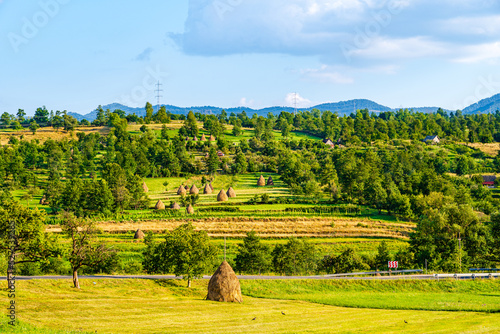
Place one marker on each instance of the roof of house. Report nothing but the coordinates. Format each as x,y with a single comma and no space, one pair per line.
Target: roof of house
431,138
489,178
327,141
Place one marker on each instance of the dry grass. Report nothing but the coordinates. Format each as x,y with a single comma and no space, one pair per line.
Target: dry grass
490,149
44,134
270,227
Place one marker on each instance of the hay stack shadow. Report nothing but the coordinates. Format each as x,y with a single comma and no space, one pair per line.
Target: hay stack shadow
224,286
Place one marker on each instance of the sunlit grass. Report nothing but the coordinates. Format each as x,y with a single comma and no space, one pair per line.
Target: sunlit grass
146,306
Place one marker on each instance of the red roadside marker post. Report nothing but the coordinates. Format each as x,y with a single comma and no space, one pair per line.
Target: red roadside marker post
392,265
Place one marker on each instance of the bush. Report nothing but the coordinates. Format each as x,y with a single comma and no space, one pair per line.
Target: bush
56,266
131,267
28,269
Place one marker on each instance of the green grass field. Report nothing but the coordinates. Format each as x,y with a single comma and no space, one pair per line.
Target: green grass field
147,306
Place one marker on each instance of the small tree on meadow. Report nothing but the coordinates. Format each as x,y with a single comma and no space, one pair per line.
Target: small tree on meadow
33,127
253,256
23,230
84,250
185,252
383,256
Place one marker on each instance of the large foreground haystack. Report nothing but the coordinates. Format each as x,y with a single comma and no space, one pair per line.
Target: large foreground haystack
159,205
181,191
270,181
261,182
222,196
194,190
139,235
176,206
207,189
190,209
145,187
231,193
224,286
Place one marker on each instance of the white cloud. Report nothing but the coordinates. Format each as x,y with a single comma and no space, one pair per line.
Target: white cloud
481,26
244,102
294,99
480,53
326,74
414,47
376,32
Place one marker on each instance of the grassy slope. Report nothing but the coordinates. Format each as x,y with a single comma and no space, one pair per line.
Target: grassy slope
446,295
134,306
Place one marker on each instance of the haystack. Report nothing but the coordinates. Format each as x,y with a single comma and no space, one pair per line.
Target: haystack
207,189
203,138
194,190
222,196
224,286
212,138
42,200
195,138
176,206
261,182
231,193
139,234
181,191
211,186
190,209
159,205
270,181
145,187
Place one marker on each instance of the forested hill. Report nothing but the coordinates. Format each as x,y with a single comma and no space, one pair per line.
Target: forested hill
489,105
342,108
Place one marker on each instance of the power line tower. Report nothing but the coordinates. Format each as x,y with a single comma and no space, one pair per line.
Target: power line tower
158,96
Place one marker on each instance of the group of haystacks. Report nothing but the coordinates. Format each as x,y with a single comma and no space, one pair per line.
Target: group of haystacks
182,191
203,138
262,181
175,206
223,196
208,189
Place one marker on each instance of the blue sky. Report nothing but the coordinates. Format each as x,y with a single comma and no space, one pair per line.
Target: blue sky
74,55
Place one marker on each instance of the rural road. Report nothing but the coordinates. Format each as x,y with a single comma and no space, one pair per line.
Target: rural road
243,277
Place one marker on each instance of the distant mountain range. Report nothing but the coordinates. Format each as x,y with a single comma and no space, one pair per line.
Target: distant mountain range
342,108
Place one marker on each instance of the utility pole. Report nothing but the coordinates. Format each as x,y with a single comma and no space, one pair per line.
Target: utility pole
460,250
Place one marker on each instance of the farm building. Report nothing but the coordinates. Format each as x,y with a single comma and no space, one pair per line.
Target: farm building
489,180
432,140
220,153
328,142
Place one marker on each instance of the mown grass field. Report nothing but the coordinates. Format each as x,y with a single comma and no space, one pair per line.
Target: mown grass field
444,295
147,306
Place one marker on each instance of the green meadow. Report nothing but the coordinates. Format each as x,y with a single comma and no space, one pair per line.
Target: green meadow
167,306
